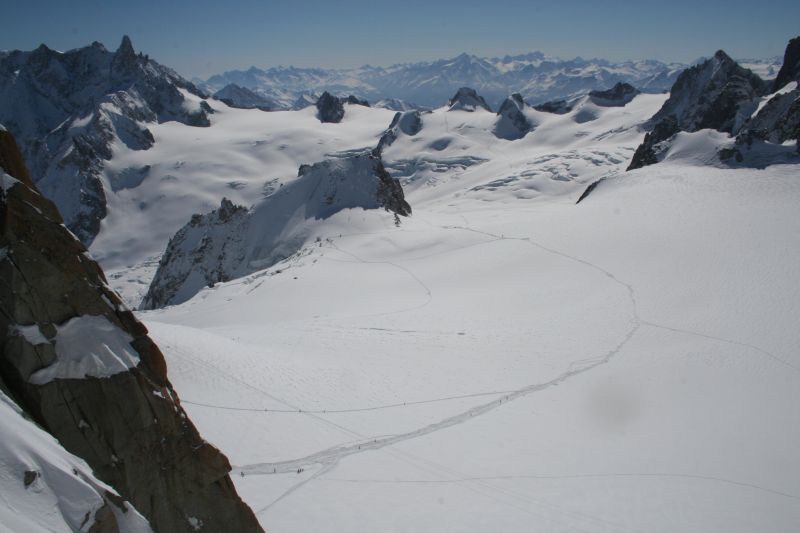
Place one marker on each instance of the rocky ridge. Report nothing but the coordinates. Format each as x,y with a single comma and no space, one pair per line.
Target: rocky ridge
721,95
512,123
716,94
232,241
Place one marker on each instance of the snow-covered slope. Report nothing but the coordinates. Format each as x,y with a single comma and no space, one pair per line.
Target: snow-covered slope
519,365
244,155
230,243
504,359
461,153
45,488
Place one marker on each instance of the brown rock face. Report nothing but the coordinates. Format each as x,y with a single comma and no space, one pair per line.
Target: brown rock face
129,426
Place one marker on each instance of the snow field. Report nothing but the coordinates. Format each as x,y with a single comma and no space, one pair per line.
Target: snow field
510,360
642,344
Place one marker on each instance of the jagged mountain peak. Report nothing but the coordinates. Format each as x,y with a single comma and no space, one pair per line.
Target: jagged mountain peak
720,94
467,99
512,123
708,95
68,109
125,47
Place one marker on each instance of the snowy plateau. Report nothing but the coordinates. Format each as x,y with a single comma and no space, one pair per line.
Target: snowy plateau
499,357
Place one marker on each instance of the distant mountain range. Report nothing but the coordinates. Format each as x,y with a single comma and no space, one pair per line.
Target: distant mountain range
536,77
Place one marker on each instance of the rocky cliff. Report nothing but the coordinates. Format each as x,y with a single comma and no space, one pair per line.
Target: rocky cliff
790,69
83,367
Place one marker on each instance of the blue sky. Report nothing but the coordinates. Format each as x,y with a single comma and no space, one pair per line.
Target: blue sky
201,37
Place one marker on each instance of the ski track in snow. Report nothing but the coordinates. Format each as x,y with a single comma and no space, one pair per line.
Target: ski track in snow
328,459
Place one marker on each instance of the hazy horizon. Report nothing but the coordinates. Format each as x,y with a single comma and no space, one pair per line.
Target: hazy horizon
198,39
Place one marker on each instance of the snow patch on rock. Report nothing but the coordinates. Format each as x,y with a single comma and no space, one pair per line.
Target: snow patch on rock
85,346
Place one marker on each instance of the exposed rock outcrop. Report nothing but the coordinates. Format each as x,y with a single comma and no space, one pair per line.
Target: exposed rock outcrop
654,144
467,99
405,123
330,108
617,96
717,94
351,99
790,70
67,110
778,119
231,241
83,367
558,107
512,123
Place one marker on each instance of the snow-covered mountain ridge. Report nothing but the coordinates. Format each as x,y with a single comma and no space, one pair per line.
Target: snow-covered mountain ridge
71,111
536,77
231,241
